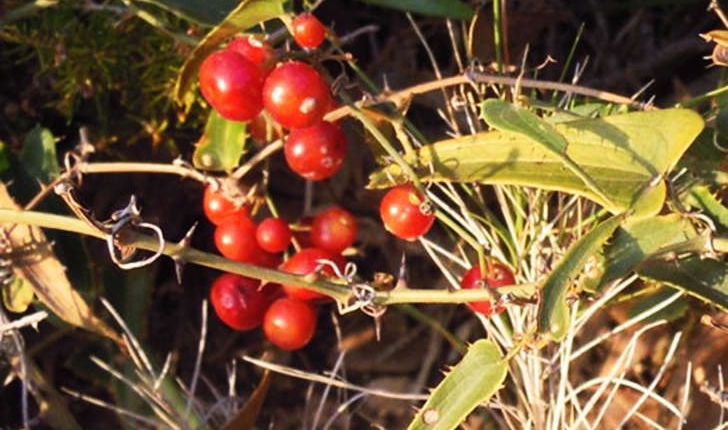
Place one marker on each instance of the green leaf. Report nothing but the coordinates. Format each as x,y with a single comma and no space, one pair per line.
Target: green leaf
700,197
4,157
246,15
703,278
624,154
444,8
636,242
222,144
672,312
508,117
207,13
553,314
17,295
39,154
470,383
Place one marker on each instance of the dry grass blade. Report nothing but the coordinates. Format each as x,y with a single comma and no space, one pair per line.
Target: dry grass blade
285,370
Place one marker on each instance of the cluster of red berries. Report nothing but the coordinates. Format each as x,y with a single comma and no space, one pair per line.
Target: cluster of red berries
243,80
244,83
287,312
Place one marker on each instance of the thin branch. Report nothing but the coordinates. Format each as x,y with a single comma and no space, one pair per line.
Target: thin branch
335,290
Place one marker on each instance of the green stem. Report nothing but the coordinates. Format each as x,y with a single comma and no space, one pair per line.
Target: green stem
398,296
133,167
704,97
191,255
498,34
387,146
426,319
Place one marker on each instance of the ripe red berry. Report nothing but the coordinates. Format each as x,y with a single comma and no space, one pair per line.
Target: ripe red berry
289,323
495,275
333,230
258,130
402,214
256,50
235,239
295,95
308,31
217,207
232,85
304,262
238,301
315,152
273,234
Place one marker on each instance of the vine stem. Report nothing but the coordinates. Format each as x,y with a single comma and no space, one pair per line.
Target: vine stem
401,96
187,254
396,97
133,167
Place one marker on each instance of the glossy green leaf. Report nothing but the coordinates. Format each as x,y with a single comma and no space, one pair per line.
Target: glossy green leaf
39,154
470,383
511,118
703,278
246,15
552,314
624,155
207,13
443,8
222,144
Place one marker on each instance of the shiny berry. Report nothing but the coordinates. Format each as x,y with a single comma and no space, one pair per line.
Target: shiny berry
333,230
495,275
295,95
308,31
217,207
235,239
238,301
255,50
315,152
305,262
232,85
273,234
402,215
289,323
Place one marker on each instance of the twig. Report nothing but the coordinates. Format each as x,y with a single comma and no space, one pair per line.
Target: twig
28,320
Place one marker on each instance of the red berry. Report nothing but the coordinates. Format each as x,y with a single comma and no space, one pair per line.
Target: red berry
235,239
268,259
315,152
217,207
295,95
232,85
304,262
402,215
258,129
496,275
255,50
273,234
308,31
238,301
333,230
289,323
